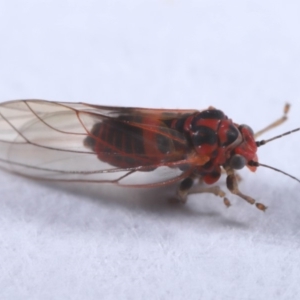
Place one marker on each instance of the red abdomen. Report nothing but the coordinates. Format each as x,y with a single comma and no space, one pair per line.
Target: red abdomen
128,142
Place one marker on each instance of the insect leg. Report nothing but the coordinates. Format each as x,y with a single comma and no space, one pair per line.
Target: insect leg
237,175
276,123
184,188
232,185
187,187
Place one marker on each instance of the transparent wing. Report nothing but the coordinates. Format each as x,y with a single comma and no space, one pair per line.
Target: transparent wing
45,140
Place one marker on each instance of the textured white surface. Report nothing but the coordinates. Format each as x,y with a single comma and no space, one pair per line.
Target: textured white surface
80,243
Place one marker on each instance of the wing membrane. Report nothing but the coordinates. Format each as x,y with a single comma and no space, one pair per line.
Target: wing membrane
45,140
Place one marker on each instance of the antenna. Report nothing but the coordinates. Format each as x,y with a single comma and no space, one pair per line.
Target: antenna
257,164
263,142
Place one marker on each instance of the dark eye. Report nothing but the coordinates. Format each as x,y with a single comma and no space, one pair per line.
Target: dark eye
237,162
246,127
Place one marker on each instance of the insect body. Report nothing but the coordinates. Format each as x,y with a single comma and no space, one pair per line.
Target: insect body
205,140
82,142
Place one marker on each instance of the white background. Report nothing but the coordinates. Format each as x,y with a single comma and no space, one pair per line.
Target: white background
74,243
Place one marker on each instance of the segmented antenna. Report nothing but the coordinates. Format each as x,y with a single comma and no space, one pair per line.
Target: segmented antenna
257,164
263,142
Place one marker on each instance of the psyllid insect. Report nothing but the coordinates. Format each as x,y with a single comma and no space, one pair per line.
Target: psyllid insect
132,147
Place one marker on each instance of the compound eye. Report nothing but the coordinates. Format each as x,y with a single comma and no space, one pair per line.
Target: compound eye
237,162
246,127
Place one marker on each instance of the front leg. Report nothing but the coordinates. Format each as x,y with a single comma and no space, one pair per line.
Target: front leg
187,188
232,185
